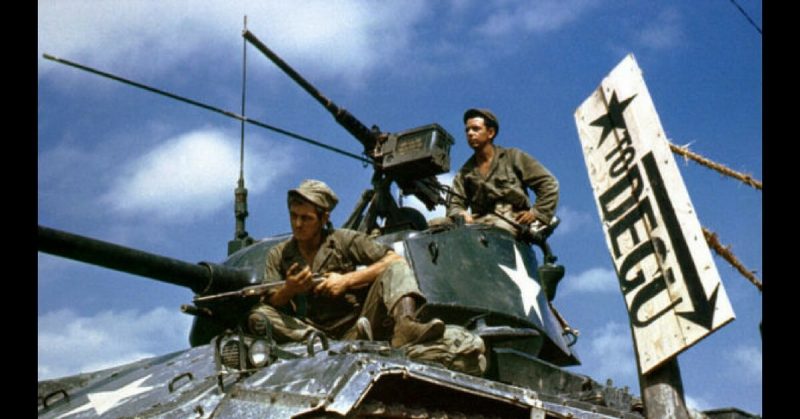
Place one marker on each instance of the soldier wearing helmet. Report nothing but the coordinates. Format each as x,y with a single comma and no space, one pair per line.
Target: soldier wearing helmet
384,292
495,180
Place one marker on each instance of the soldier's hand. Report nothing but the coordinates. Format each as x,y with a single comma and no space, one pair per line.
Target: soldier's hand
468,217
333,285
298,280
525,217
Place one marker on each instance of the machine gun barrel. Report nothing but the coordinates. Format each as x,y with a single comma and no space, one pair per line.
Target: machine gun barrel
366,136
201,278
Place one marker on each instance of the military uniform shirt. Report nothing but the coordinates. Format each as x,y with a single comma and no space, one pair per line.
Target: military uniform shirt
511,171
341,251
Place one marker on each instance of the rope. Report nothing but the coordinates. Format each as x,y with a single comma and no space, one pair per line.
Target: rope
725,252
684,151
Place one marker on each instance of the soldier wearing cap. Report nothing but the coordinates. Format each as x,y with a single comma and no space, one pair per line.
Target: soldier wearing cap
384,292
495,180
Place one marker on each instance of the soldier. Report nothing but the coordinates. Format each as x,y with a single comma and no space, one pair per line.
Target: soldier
384,292
494,180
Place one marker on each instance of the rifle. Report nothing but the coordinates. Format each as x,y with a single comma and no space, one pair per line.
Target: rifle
251,291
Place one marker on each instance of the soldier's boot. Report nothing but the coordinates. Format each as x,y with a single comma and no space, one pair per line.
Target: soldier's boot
363,329
407,330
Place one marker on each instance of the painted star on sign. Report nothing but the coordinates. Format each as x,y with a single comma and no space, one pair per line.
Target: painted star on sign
104,401
613,118
528,286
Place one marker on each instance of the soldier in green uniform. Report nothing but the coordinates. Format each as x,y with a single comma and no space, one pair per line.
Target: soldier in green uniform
384,291
494,180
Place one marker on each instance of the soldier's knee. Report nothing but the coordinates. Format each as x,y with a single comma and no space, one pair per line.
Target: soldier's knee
258,322
265,310
398,268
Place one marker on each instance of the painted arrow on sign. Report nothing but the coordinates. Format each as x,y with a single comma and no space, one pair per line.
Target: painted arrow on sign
703,313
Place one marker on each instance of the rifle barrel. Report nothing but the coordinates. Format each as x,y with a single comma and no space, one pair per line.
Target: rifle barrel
250,291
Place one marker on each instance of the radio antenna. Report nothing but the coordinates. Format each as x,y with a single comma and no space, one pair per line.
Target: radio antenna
241,238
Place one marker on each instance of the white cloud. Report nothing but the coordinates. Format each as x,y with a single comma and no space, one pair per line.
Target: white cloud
71,344
663,32
610,355
130,31
571,220
512,17
345,38
594,280
747,363
190,176
697,403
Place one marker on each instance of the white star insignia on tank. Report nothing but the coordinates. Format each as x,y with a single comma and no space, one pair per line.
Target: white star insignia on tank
528,287
104,401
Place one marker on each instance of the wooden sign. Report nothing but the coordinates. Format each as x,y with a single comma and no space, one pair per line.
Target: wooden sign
666,272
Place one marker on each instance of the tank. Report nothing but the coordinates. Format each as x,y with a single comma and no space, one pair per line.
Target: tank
340,378
479,277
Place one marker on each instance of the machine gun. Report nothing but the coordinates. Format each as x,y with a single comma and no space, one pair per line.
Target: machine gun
411,158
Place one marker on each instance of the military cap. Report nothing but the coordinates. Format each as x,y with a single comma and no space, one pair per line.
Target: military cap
317,193
488,117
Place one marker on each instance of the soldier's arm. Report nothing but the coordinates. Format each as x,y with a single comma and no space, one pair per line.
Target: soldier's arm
458,205
298,281
335,284
537,178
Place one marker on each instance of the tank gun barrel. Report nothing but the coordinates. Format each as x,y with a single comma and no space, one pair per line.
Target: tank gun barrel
201,278
367,137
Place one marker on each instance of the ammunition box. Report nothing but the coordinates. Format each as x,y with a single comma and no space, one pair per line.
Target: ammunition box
417,153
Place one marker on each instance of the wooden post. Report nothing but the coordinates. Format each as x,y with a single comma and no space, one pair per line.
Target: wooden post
662,392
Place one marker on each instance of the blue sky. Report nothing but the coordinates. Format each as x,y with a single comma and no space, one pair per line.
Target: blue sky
130,167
